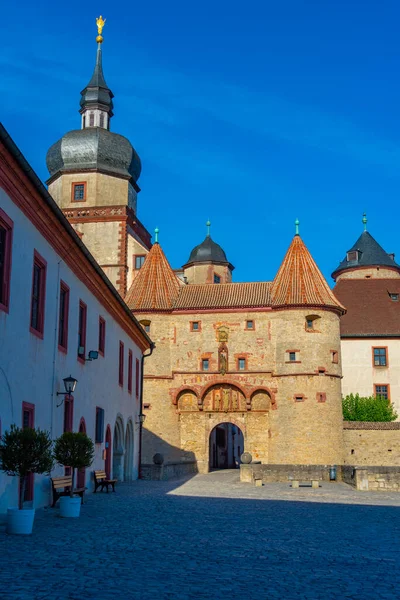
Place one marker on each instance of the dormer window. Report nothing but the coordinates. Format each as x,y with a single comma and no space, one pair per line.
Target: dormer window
353,255
394,297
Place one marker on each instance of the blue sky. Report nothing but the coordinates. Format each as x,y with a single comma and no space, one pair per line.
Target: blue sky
248,114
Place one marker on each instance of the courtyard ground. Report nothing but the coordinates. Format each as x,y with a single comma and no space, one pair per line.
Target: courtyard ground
210,537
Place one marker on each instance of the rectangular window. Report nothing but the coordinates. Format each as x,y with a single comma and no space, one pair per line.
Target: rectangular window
121,364
249,324
91,120
241,364
321,396
99,432
335,356
38,295
101,119
353,255
6,231
217,278
299,398
139,260
310,323
292,356
130,366
380,357
68,413
102,336
79,192
382,390
137,377
205,364
195,326
82,331
63,317
394,297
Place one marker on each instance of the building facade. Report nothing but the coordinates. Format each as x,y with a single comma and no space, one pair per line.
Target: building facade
57,311
240,366
367,282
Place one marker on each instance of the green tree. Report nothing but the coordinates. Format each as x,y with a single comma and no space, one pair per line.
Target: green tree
25,451
75,450
370,408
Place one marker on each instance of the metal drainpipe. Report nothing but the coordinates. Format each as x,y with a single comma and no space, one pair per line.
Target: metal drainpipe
152,346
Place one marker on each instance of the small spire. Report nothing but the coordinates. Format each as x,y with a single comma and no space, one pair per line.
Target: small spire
364,220
100,22
208,225
297,223
156,232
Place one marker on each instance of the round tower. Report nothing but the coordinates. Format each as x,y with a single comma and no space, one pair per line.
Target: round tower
307,426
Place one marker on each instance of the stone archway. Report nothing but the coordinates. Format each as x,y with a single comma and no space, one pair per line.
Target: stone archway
129,452
118,450
226,445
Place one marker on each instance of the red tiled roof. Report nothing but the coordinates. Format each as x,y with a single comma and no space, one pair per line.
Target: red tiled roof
156,287
225,295
299,282
370,310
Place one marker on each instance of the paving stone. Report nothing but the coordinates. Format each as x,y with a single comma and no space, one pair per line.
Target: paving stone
211,537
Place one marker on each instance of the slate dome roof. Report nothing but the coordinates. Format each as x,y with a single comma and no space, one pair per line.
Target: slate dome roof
94,148
207,251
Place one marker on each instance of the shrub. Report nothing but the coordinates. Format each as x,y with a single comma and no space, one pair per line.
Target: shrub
25,451
75,450
371,408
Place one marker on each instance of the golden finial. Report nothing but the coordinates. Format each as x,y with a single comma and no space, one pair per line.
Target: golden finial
100,22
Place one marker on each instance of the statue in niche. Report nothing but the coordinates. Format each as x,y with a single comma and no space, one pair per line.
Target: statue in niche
223,360
225,404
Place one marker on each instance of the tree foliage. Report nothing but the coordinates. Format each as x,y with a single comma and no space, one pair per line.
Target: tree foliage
75,450
370,408
24,451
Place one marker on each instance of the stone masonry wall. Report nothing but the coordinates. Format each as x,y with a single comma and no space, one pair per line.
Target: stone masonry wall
372,447
283,431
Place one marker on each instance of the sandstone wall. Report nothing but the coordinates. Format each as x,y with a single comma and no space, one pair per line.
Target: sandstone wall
372,444
101,190
369,272
283,429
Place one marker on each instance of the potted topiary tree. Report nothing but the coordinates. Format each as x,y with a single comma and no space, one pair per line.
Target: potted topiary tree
24,451
74,450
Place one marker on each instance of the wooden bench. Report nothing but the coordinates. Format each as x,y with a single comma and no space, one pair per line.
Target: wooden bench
100,479
296,482
61,487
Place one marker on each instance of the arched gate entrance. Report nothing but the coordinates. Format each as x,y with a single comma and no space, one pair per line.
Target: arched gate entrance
226,446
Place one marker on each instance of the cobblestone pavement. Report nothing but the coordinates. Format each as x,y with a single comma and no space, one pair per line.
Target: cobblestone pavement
210,537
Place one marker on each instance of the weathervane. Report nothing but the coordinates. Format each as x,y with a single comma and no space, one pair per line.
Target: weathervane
100,22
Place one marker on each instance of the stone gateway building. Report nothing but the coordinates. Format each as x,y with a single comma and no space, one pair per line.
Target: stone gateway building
253,366
237,367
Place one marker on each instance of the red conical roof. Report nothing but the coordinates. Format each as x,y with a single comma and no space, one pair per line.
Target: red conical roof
299,282
156,287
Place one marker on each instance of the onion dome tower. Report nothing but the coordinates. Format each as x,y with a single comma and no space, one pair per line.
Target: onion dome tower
208,263
93,178
366,259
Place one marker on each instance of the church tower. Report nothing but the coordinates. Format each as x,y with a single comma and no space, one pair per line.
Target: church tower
93,179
